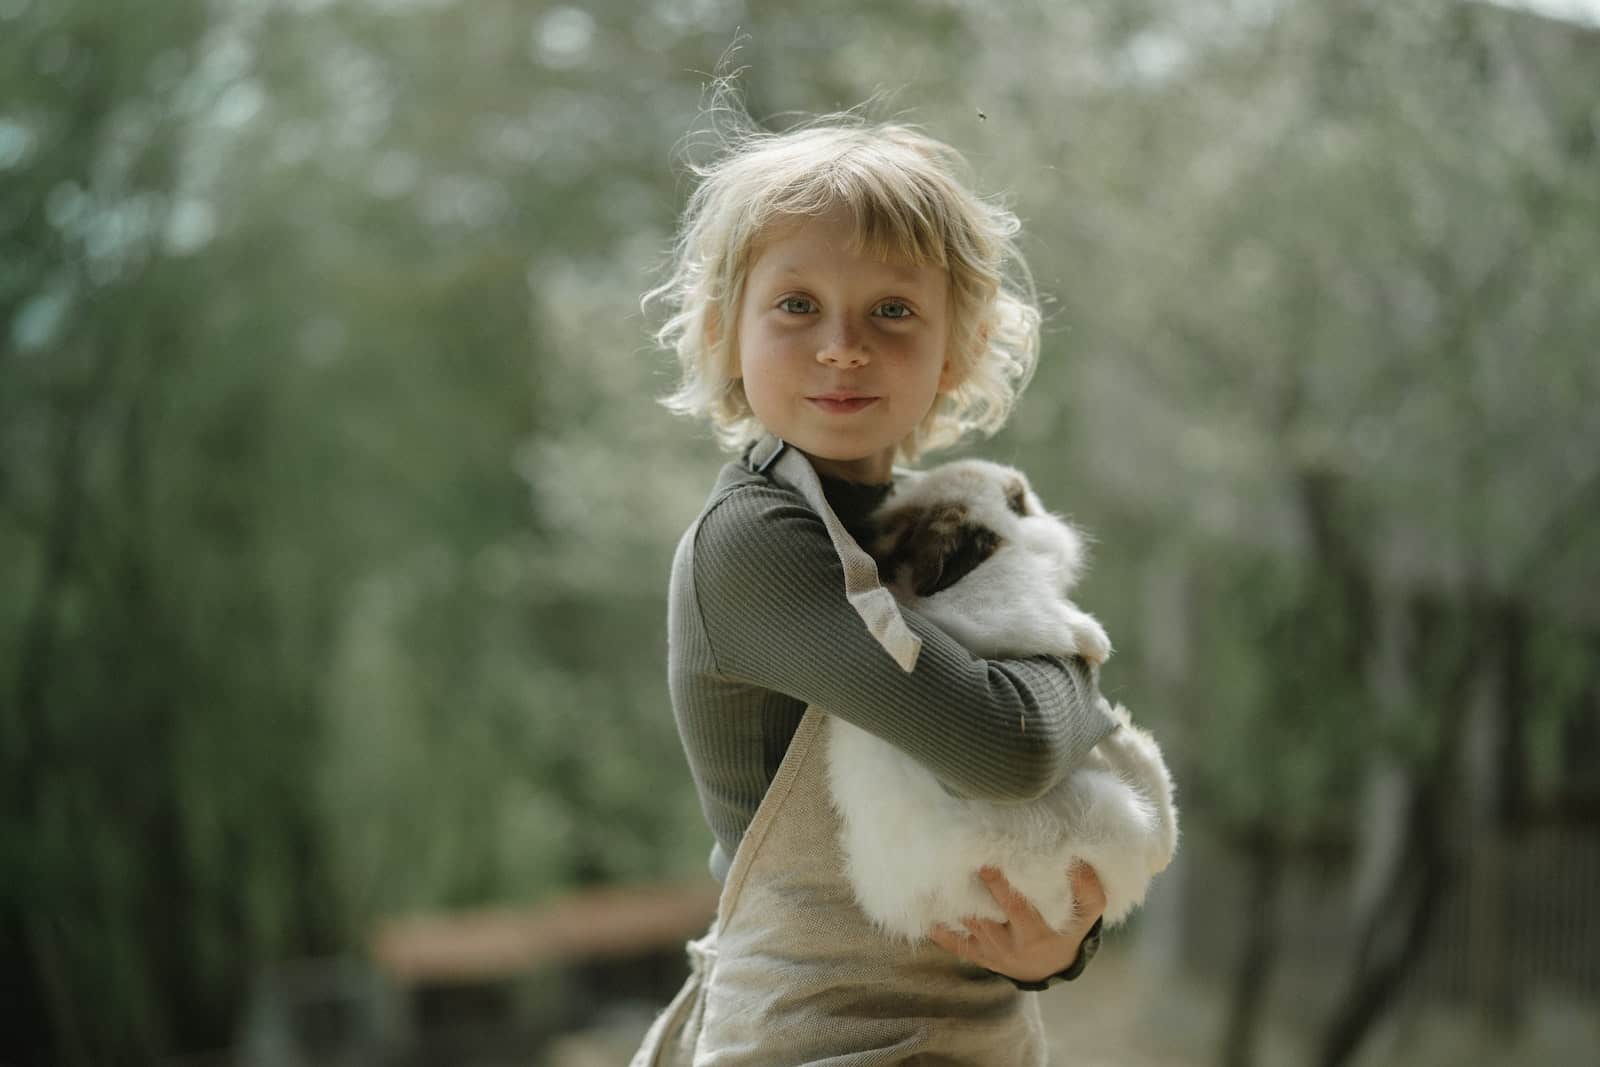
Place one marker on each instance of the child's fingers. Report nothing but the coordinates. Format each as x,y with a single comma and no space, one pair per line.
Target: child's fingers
987,942
961,945
1087,891
1018,910
1023,946
991,937
982,943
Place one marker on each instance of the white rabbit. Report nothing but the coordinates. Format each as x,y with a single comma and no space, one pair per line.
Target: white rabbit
969,546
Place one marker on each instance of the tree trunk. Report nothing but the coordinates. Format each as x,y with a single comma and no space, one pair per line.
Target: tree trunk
1497,809
36,747
1260,949
1394,941
1399,924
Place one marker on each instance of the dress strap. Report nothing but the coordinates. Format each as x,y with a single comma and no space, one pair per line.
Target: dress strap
764,452
875,604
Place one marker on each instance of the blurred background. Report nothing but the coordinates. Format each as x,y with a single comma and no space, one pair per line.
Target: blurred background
336,508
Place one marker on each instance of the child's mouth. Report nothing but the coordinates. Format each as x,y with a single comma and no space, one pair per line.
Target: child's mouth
842,405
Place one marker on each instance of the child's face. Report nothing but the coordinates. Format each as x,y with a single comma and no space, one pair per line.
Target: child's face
842,354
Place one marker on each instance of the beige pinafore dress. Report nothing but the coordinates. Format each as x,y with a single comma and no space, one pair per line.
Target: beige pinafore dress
791,971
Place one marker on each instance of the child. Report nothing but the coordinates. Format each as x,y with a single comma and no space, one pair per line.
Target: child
840,299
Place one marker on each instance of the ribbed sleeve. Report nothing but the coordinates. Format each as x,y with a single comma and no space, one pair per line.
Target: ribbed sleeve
759,627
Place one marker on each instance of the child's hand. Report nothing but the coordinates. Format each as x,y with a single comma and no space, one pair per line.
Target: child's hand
1023,947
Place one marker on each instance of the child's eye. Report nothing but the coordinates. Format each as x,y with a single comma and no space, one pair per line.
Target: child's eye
797,305
894,309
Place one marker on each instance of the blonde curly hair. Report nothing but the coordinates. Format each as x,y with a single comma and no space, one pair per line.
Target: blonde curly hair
905,193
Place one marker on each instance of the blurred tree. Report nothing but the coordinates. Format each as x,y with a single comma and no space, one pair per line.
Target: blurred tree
138,863
1334,268
338,508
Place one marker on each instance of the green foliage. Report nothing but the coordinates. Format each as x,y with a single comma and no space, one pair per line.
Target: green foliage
337,508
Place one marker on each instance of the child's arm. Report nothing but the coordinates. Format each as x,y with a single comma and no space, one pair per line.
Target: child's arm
770,593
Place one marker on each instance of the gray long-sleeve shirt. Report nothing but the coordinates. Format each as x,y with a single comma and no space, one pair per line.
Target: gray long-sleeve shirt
759,627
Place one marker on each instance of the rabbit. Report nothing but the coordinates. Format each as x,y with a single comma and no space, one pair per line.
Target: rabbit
969,546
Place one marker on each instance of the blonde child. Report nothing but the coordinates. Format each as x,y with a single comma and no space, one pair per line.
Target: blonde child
841,300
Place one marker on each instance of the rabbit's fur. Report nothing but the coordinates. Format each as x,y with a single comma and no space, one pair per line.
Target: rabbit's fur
969,546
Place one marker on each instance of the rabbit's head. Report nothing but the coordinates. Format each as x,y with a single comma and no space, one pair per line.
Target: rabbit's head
940,526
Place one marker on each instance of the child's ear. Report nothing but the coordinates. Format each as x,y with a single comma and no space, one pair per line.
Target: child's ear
950,379
953,376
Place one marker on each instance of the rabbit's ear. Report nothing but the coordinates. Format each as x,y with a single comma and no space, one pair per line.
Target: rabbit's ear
905,550
947,547
892,545
969,545
932,548
1017,497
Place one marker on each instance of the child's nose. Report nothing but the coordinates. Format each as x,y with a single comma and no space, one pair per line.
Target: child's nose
843,349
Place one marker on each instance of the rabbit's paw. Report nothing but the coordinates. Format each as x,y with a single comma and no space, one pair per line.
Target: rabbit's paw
1088,637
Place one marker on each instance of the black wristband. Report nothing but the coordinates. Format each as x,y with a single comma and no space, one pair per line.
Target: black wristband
1086,950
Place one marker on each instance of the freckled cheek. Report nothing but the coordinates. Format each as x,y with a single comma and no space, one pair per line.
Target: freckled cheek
901,350
785,345
773,365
